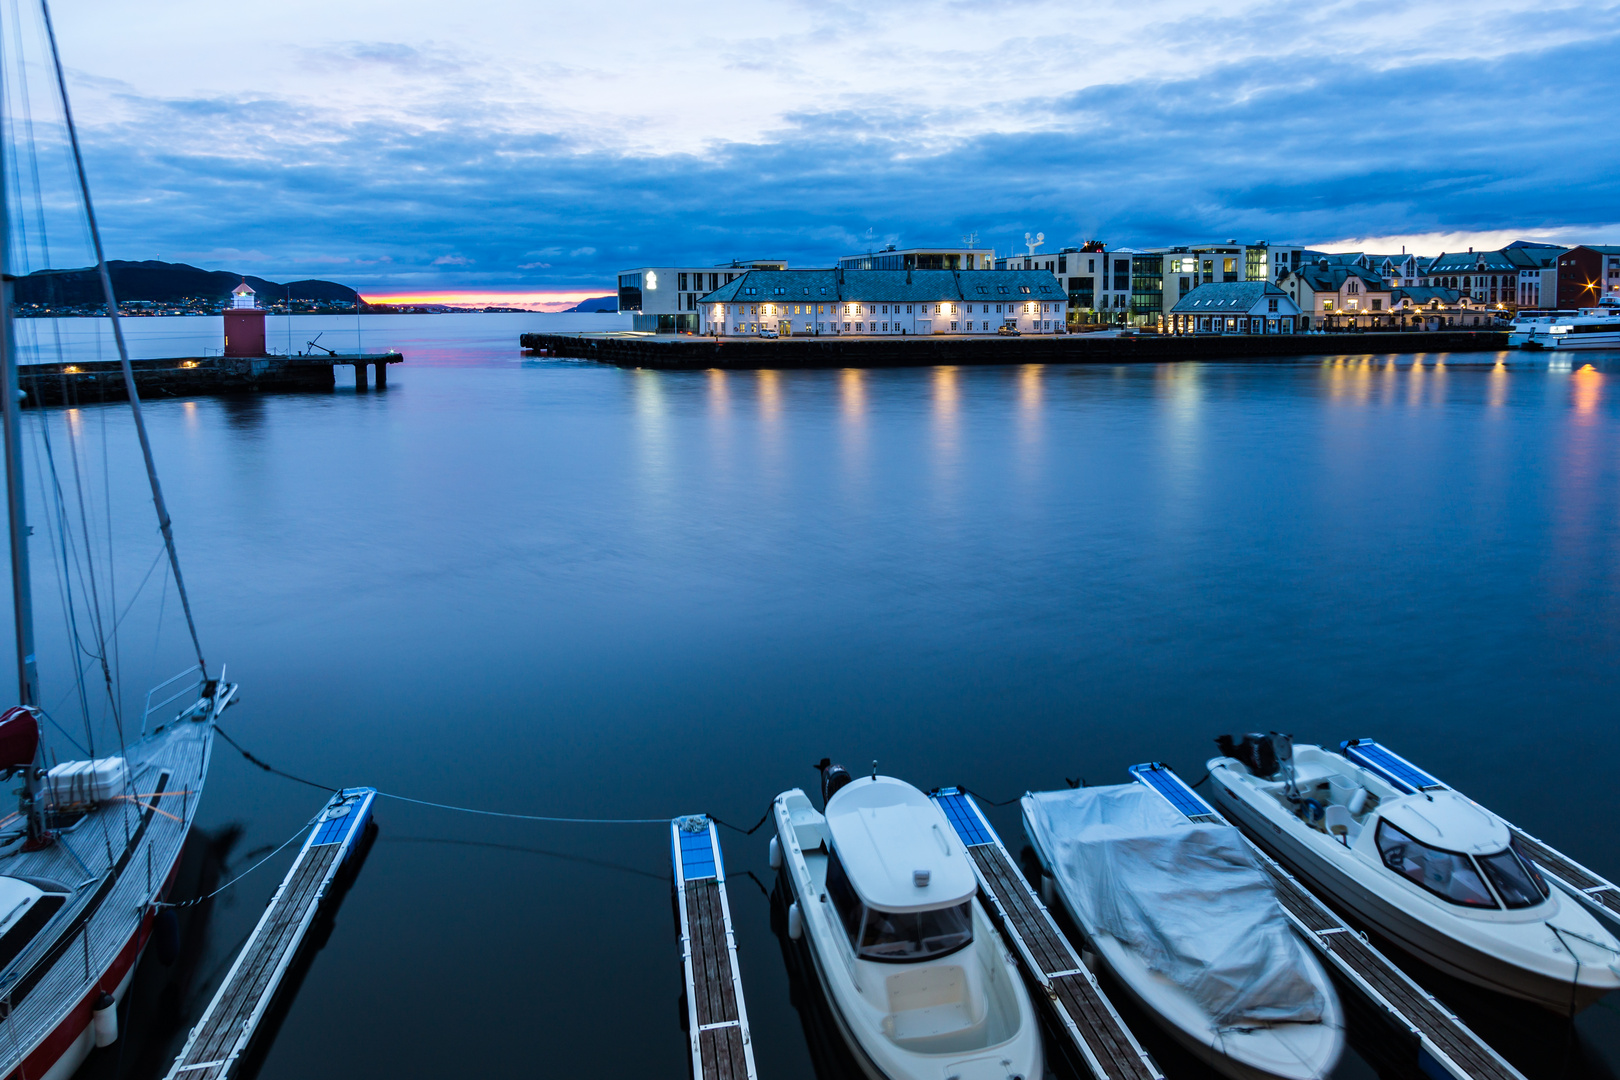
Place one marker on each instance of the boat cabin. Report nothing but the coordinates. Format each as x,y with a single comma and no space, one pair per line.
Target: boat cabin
25,908
898,878
1439,840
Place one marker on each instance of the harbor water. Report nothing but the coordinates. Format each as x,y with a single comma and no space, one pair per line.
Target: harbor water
553,588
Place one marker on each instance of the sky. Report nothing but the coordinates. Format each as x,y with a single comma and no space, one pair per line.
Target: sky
539,147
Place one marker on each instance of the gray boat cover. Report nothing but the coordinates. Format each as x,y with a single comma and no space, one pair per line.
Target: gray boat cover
1189,899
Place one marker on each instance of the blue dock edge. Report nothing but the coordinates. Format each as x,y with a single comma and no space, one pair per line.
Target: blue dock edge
344,820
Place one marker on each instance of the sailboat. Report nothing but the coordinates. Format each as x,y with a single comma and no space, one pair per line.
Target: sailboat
88,857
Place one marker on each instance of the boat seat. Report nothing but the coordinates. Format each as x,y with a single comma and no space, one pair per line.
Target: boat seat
1342,824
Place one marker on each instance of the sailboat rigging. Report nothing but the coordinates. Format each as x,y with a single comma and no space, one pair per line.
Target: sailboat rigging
90,853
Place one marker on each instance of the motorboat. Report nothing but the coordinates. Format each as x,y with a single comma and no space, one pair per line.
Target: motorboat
1591,328
1186,920
1425,866
884,899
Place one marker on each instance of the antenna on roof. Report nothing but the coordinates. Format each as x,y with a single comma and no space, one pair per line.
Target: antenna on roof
971,239
1033,242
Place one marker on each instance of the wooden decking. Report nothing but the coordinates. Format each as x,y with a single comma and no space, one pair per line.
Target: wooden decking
1100,1037
716,1015
1445,1045
219,1040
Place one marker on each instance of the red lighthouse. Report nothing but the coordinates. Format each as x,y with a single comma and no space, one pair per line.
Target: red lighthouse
244,323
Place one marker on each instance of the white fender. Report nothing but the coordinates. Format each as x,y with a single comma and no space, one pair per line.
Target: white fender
795,921
776,854
104,1020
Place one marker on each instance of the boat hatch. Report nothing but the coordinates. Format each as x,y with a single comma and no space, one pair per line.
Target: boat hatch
884,831
1405,776
25,908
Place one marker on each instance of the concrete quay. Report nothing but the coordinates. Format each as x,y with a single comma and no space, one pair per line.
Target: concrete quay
103,380
681,352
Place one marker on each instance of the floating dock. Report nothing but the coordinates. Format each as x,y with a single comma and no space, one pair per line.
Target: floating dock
692,353
1444,1045
93,382
1100,1038
216,1045
1600,894
716,1016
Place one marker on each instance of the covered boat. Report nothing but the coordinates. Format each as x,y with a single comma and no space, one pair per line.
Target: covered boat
1186,920
1430,869
884,900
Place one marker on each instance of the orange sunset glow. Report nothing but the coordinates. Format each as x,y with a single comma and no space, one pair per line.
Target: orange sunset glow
535,301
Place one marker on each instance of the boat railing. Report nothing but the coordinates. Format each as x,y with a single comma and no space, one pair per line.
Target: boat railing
195,684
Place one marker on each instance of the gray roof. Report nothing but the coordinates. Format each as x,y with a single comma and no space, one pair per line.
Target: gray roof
1422,294
1228,296
871,286
1471,262
1331,278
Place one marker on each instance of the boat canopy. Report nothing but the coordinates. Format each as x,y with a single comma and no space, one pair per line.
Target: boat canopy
1449,821
1188,898
900,853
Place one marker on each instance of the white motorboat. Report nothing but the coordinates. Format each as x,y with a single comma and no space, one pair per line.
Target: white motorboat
884,899
1593,328
1182,915
1421,864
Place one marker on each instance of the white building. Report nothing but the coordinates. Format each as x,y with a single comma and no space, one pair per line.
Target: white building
1238,307
885,303
665,298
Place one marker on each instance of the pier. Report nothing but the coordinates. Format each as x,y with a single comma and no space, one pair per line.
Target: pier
92,382
1441,1044
217,1044
1096,1034
691,353
716,1015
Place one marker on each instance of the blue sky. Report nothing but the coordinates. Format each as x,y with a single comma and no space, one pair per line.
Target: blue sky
541,146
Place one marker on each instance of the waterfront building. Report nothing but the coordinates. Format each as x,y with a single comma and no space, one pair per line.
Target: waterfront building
1538,272
885,302
1487,277
921,258
1586,274
665,298
1332,294
1431,307
1238,307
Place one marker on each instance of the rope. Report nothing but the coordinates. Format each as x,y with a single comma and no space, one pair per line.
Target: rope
164,524
197,900
267,767
746,832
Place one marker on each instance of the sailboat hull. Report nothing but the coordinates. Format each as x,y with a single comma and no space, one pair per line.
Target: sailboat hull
119,861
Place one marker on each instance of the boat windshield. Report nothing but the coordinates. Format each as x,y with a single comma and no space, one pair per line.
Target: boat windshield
1517,882
905,937
1448,874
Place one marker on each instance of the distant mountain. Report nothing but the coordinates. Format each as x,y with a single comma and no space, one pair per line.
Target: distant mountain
597,303
163,282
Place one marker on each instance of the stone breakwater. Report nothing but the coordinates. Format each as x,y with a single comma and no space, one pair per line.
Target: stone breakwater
695,353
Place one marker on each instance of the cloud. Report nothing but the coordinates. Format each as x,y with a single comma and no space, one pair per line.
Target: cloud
1305,132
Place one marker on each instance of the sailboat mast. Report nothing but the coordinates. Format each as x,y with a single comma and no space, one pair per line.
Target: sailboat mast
21,593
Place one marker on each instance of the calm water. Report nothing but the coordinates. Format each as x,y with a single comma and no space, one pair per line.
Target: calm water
561,589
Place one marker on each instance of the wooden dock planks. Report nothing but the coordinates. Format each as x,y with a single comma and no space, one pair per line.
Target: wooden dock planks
716,1014
1100,1037
1445,1043
220,1039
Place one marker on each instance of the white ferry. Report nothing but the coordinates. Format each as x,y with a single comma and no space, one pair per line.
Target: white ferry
1591,328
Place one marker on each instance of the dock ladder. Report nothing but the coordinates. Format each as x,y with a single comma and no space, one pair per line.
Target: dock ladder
1099,1036
716,1016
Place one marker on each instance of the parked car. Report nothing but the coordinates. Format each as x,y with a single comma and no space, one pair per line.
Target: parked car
1007,330
766,331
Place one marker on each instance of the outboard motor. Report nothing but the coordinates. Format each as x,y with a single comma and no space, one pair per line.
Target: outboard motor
833,778
1255,750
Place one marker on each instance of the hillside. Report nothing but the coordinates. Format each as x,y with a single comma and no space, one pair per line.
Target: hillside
163,282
